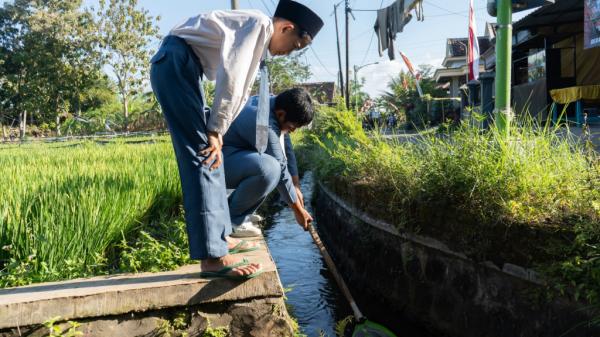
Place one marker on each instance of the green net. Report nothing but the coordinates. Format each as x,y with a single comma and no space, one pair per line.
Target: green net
371,329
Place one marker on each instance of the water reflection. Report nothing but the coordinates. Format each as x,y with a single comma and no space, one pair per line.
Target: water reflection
314,299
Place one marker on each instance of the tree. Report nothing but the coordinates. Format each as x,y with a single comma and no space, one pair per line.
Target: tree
62,40
285,73
125,33
48,58
403,97
357,95
12,62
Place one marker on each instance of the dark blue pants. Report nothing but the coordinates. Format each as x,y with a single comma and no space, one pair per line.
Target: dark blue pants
175,75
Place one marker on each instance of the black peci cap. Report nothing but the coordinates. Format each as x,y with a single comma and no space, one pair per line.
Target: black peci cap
301,15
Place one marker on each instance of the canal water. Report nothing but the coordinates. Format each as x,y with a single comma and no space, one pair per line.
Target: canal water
311,291
312,294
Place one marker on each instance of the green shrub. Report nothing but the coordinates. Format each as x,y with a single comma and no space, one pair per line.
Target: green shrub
531,199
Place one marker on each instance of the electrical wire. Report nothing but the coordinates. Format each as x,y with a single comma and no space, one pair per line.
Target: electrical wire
450,14
371,41
266,7
447,10
321,62
368,48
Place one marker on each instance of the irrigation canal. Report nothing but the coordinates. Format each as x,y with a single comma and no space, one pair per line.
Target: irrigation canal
312,294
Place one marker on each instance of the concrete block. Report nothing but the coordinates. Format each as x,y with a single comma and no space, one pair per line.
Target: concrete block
119,294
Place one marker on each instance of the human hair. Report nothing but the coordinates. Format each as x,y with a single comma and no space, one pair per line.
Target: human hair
297,104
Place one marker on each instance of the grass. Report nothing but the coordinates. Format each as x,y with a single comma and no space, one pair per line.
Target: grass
67,209
532,199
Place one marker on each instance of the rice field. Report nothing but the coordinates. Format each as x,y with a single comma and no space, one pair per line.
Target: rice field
64,207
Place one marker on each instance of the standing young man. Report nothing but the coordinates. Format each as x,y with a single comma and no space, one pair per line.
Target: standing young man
226,46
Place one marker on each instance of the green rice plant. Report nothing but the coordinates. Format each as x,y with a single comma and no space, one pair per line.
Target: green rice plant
64,206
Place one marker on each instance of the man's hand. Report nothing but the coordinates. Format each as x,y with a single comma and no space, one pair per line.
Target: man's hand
303,218
213,150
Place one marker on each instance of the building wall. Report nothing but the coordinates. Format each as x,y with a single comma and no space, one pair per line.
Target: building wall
588,71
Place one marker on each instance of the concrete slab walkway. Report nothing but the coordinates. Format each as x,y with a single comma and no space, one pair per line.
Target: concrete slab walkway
119,294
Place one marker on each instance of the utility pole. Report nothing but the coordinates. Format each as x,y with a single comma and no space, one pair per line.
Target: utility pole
503,66
347,55
337,36
235,4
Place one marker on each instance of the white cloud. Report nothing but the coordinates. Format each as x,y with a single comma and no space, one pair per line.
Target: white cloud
378,76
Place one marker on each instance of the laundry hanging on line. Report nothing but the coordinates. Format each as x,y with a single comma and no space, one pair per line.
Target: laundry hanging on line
392,19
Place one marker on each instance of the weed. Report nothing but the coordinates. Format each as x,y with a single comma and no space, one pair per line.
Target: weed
532,199
56,331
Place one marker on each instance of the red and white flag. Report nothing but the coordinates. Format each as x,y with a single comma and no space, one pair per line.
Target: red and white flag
473,51
409,65
413,72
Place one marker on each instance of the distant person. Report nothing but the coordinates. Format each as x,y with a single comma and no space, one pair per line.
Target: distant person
228,47
391,122
254,175
375,117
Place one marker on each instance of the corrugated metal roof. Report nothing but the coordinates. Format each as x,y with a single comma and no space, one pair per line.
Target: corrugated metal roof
561,12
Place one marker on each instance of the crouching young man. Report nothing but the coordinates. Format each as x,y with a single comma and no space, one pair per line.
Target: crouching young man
254,175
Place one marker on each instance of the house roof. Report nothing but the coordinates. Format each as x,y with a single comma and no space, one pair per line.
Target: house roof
323,92
457,46
561,12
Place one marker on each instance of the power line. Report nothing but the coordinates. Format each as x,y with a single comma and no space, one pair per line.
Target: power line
459,13
371,41
447,10
321,62
368,48
361,34
267,8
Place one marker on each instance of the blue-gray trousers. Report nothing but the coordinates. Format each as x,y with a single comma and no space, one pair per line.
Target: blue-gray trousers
253,176
175,75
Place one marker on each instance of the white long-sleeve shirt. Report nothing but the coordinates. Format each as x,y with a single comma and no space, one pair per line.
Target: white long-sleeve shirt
230,45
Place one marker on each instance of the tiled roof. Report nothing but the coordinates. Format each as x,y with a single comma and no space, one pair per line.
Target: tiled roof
323,92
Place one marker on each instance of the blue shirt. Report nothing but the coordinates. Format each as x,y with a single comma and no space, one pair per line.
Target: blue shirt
242,135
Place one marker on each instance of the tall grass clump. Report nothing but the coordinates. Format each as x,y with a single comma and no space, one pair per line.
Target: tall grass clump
531,199
64,208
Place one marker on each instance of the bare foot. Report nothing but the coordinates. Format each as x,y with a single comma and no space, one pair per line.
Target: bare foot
228,260
232,242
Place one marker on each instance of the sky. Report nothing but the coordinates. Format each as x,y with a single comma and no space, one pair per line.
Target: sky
423,42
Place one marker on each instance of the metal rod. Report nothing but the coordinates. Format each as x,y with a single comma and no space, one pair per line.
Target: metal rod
336,275
337,36
347,55
504,66
235,4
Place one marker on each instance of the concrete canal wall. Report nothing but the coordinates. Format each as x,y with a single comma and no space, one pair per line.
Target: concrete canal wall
419,279
151,304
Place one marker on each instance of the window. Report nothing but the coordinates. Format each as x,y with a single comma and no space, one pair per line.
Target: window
536,65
